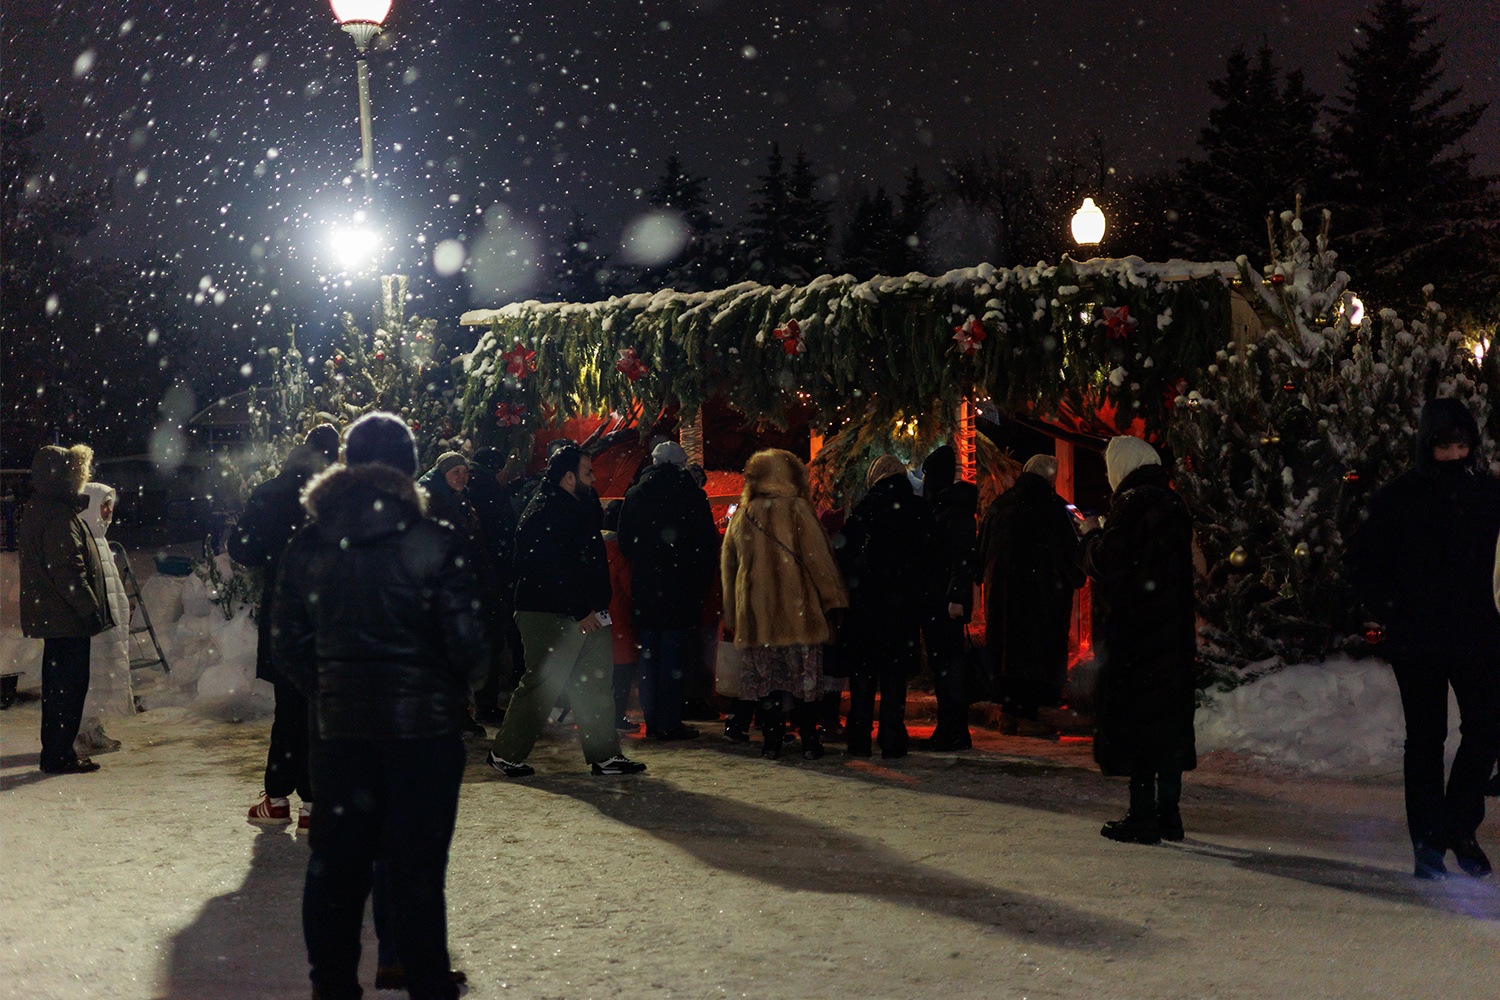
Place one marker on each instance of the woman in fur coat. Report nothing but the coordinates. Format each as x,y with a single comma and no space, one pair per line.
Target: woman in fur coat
109,654
780,584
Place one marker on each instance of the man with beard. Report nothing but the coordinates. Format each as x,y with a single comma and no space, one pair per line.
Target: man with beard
562,611
1422,562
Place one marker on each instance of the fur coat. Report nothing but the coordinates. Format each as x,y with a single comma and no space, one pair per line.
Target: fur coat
777,567
63,593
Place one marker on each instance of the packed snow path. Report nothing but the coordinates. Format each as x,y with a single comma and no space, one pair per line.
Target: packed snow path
720,874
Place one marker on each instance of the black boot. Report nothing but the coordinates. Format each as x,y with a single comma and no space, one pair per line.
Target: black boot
1140,825
772,726
1168,794
807,725
1429,862
1470,856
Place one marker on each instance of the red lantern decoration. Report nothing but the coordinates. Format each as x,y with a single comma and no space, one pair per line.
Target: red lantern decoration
630,365
790,335
520,360
510,414
1117,322
1374,634
969,337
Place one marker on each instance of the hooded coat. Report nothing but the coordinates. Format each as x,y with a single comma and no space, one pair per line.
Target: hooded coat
1029,551
109,654
63,590
667,532
1423,559
887,552
1142,563
777,569
271,517
377,618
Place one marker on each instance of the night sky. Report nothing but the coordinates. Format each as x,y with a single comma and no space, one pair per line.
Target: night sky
231,133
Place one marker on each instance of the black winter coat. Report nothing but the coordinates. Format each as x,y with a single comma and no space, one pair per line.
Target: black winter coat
1029,554
272,516
667,533
886,552
560,564
953,563
377,615
1142,562
1423,559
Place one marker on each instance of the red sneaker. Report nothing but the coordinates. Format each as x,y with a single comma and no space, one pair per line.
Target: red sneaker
304,817
270,812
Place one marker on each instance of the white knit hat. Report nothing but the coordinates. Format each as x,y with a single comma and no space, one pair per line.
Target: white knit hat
1123,455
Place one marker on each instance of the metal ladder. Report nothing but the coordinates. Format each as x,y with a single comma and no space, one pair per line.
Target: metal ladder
133,590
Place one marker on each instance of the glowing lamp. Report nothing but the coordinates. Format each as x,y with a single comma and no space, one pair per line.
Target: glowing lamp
1088,224
361,18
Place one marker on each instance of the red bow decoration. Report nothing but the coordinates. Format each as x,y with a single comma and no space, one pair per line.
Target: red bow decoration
520,360
970,336
791,338
1117,322
1176,389
510,414
630,365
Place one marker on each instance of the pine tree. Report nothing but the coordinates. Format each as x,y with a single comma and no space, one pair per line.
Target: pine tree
1406,186
872,242
809,225
911,221
1282,439
579,269
1261,148
700,264
1002,191
766,244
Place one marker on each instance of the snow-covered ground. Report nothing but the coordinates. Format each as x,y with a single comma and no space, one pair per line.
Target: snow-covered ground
719,874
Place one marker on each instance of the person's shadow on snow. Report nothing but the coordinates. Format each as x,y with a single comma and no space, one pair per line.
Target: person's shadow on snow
1479,899
247,942
798,854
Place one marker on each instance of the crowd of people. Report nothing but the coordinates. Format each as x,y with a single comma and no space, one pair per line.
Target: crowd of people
403,609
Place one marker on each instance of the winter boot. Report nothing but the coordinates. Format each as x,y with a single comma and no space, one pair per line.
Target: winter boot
1470,856
304,818
1169,821
1429,862
807,724
1140,825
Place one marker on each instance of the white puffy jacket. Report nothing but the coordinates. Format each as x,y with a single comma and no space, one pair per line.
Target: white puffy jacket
109,652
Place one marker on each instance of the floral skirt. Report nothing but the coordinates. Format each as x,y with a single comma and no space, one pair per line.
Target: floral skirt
797,669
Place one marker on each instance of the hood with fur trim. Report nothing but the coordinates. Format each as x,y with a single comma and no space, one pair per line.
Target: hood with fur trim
59,473
775,473
361,502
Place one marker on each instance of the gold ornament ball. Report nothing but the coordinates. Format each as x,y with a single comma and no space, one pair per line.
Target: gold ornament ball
1239,557
1302,551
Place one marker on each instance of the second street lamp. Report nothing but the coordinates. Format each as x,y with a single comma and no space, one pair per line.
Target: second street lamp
363,19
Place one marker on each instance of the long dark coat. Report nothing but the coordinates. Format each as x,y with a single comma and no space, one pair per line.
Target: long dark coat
885,552
1422,561
953,565
273,514
1029,551
667,533
1142,562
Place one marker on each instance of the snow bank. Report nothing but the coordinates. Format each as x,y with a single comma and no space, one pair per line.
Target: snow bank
1341,717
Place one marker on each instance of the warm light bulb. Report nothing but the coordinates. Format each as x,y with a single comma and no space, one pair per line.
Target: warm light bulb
1088,224
363,11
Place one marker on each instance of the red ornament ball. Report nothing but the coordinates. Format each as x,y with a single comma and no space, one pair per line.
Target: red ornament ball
379,355
1278,280
1351,476
1374,635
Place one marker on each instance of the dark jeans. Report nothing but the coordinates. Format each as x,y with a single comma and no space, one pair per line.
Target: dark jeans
392,802
1435,816
286,761
1024,695
662,660
65,684
890,681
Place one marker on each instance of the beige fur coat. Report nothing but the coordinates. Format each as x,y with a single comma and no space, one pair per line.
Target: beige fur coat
780,579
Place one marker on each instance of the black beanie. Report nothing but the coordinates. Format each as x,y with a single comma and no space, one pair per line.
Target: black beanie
938,470
383,438
324,438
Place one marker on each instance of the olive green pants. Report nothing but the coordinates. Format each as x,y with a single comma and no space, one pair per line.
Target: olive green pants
561,659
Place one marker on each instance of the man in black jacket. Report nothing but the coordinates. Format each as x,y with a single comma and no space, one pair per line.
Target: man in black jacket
667,533
1422,562
378,622
272,516
950,597
562,611
1029,556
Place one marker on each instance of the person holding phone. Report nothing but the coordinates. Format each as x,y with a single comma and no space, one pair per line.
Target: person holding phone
562,611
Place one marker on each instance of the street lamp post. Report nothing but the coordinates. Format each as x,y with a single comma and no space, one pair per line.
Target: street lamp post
363,19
